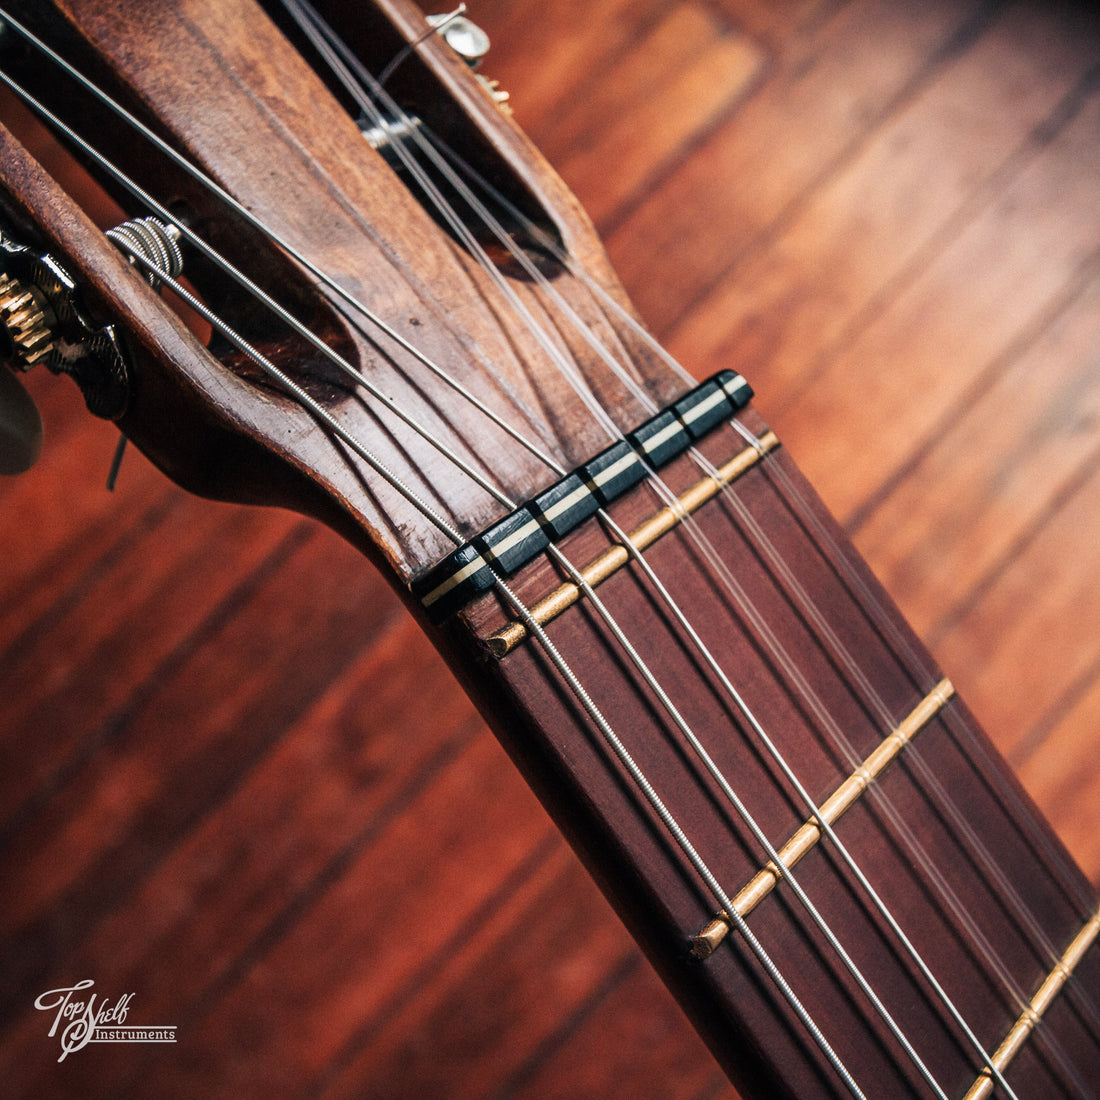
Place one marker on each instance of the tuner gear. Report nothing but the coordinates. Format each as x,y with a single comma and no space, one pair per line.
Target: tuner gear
43,321
28,322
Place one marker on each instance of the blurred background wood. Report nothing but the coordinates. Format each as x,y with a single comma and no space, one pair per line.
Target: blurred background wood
235,780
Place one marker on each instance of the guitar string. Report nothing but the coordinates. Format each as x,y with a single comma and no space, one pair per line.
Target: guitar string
283,314
422,136
343,66
1071,885
428,187
307,19
1000,885
367,91
409,132
941,795
409,48
245,214
498,497
911,658
416,135
1070,882
356,446
811,804
611,738
1021,911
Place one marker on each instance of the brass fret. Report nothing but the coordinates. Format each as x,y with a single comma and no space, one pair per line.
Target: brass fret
503,641
1033,1013
830,811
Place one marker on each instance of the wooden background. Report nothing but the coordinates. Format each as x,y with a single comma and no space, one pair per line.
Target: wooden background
235,781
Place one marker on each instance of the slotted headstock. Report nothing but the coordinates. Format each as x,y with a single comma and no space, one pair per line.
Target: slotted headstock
224,86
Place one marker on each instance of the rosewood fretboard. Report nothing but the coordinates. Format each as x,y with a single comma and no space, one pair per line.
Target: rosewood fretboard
956,866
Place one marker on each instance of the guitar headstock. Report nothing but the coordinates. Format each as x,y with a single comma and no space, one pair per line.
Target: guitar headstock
425,348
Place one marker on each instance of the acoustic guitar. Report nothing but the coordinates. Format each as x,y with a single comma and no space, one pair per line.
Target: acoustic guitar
341,281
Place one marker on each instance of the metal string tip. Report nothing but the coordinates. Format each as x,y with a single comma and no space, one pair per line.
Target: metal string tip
436,25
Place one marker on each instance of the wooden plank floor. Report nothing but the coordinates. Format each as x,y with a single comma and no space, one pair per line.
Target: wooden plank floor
235,781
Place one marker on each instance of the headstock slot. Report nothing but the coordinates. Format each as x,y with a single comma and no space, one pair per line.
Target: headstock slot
420,96
109,202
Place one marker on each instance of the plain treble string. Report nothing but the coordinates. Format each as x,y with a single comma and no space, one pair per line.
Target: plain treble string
909,656
532,270
1068,882
321,37
1025,918
344,65
328,44
499,497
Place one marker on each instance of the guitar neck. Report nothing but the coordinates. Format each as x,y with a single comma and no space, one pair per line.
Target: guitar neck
782,795
852,761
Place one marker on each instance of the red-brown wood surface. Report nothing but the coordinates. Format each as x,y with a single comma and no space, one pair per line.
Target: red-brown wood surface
237,783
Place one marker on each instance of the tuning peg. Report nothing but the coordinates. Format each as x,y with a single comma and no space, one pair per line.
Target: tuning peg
471,43
464,36
42,321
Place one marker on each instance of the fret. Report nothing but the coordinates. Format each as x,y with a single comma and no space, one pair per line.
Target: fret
504,640
1033,1014
831,810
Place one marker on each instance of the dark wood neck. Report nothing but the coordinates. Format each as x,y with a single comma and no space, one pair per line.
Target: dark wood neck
989,921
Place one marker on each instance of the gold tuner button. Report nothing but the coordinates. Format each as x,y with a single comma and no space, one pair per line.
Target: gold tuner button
500,96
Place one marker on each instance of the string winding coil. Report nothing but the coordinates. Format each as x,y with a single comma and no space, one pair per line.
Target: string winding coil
153,241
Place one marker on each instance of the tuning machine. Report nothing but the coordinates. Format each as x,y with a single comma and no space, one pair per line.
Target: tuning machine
469,42
42,322
463,35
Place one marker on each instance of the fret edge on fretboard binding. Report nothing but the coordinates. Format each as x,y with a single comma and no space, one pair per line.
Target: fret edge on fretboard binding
807,836
1033,1013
